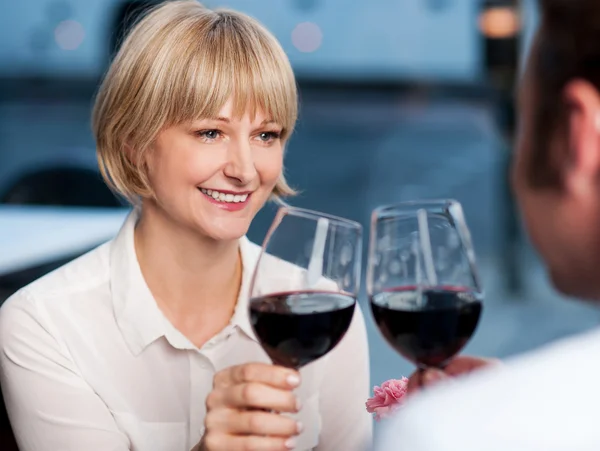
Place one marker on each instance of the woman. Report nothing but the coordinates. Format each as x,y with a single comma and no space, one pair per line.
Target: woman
144,343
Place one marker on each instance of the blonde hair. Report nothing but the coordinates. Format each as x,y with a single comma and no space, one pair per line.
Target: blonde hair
180,63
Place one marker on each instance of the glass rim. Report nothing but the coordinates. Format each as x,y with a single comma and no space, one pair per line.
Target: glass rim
314,214
404,210
384,211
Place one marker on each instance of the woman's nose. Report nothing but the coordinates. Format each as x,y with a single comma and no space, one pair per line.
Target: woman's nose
240,164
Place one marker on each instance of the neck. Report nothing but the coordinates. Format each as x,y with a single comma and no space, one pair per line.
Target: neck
186,272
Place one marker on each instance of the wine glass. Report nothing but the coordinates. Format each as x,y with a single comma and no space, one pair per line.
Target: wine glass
422,282
305,285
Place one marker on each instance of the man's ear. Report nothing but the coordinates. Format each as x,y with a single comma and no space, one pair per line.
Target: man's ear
581,171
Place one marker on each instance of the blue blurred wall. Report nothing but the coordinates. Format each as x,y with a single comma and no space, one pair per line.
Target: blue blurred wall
374,39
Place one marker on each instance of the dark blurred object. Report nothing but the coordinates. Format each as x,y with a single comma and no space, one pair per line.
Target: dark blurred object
500,25
61,186
437,6
59,10
127,14
7,439
306,5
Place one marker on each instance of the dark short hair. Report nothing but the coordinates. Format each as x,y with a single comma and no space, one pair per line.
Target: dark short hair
567,48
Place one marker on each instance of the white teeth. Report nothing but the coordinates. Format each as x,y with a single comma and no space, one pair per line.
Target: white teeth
222,197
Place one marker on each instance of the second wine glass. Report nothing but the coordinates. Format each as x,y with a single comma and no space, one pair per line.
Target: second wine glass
422,281
305,285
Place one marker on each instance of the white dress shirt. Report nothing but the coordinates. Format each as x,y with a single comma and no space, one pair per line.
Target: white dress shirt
547,400
89,362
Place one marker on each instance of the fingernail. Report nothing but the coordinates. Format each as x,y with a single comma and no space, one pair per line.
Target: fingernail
299,427
298,404
290,443
293,380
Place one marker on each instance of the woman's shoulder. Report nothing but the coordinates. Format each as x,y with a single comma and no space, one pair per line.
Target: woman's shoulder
85,277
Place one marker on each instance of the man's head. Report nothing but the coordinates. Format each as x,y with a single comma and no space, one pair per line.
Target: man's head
557,170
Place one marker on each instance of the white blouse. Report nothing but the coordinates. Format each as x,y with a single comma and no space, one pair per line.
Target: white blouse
89,362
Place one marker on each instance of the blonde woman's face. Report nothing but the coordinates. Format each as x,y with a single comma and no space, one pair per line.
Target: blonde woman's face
215,174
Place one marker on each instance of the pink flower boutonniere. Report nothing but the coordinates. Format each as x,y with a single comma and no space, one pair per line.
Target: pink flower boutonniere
387,398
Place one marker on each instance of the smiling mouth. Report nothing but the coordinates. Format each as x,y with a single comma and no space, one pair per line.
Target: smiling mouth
225,197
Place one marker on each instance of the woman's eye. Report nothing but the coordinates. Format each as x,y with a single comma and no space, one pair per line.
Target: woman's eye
269,136
209,135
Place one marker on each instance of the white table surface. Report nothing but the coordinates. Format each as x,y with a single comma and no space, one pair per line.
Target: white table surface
31,235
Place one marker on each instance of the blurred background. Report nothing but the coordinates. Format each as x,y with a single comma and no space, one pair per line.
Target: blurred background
399,100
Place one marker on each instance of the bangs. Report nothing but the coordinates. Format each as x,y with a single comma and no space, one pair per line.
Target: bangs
233,61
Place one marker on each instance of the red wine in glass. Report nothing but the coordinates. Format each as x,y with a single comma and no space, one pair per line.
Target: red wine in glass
422,280
429,326
297,328
305,284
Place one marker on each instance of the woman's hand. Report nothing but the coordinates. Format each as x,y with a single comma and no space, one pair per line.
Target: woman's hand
241,409
458,366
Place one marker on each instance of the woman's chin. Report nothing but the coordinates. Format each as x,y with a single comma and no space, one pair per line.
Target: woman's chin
221,229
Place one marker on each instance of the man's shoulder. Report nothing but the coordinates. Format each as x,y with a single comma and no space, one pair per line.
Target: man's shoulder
545,399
